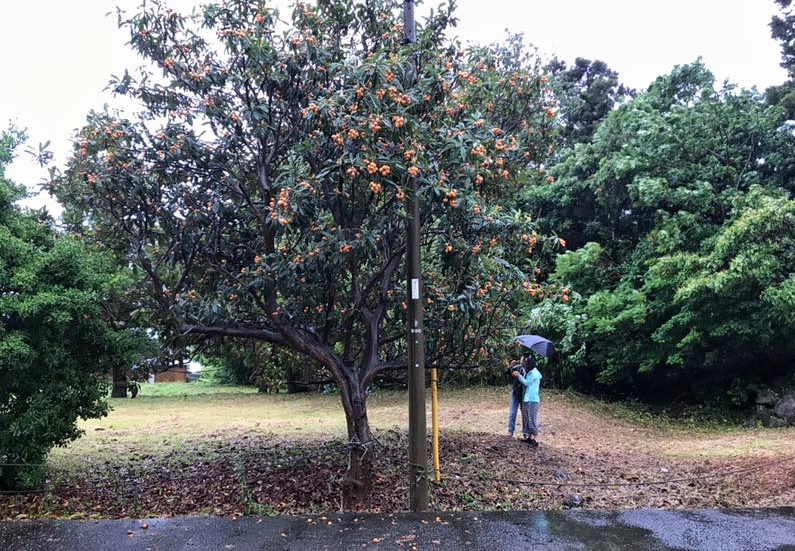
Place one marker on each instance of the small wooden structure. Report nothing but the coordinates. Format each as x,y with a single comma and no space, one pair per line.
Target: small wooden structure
178,374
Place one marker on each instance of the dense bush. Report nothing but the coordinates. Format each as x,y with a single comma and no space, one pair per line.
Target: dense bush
54,345
680,211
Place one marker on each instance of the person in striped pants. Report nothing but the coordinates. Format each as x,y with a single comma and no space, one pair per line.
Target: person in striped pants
531,399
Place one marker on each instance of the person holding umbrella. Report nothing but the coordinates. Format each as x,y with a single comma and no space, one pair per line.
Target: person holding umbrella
531,399
531,383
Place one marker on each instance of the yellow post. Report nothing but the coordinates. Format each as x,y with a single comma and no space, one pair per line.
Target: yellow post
437,474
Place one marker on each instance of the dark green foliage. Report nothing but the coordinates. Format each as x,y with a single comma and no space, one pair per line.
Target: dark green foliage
681,213
782,95
54,346
586,93
782,28
263,365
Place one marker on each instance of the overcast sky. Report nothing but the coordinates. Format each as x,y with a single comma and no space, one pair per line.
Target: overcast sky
57,55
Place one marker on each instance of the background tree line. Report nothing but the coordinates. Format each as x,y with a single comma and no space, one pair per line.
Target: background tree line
679,213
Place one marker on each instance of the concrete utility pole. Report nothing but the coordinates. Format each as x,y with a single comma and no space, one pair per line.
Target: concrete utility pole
418,479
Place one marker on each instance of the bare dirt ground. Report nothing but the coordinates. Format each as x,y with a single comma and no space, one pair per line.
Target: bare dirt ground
254,454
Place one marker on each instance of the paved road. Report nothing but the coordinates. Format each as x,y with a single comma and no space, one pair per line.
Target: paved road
727,530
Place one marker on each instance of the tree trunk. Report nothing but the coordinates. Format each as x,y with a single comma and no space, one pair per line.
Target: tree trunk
358,482
119,389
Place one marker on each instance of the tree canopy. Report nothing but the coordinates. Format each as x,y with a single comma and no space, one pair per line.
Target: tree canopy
262,188
782,28
680,212
55,346
586,92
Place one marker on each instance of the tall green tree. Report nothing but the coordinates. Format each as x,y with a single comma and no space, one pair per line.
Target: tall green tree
54,345
782,28
262,190
679,213
679,150
585,92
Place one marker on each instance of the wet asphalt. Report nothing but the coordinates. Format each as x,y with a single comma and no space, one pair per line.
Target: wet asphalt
725,530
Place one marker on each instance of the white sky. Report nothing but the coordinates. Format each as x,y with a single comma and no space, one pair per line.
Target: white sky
58,55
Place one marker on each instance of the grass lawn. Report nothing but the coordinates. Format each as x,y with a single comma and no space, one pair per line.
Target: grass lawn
165,390
194,448
166,414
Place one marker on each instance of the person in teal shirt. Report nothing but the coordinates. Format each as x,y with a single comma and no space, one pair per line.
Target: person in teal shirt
531,400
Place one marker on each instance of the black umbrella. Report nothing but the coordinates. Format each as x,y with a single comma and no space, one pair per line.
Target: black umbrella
536,343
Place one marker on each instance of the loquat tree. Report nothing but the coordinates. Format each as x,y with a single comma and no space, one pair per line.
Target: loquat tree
262,187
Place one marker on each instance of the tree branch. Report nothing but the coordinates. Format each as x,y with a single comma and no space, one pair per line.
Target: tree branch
234,332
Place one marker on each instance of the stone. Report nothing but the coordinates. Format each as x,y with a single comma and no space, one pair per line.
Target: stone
561,475
766,397
573,500
785,407
776,422
763,414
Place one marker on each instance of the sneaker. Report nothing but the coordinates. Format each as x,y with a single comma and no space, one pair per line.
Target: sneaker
510,434
526,439
533,443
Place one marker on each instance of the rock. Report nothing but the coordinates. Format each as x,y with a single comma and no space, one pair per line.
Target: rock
763,413
561,475
573,500
766,397
776,422
785,407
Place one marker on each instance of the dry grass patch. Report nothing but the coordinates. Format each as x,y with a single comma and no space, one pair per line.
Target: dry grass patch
189,451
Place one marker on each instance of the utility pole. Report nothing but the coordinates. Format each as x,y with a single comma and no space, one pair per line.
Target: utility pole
418,479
